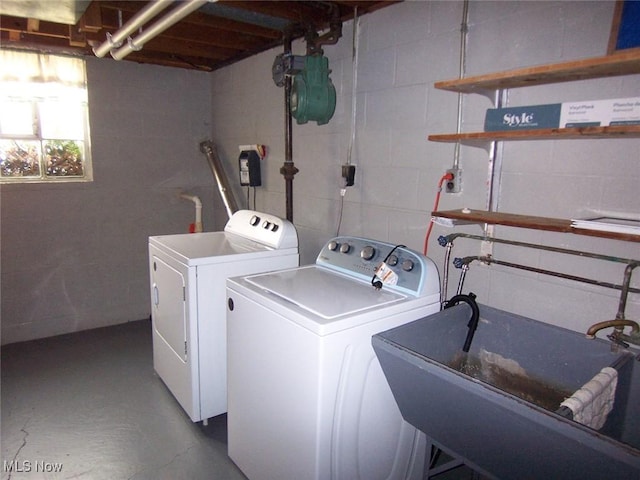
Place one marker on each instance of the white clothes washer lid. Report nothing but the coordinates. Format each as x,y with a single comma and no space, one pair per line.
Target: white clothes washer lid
324,293
212,247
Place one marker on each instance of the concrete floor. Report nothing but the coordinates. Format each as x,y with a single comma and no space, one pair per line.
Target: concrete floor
91,402
89,406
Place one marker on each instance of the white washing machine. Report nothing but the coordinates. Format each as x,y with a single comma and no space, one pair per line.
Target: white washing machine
188,309
307,398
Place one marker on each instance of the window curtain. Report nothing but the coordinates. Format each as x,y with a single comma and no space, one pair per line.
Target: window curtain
27,67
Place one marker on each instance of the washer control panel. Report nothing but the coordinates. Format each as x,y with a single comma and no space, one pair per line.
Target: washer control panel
383,264
264,228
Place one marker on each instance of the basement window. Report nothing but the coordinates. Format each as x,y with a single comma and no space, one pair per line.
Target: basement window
44,118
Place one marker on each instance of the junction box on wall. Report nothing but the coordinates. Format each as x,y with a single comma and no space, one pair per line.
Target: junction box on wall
349,174
249,164
454,185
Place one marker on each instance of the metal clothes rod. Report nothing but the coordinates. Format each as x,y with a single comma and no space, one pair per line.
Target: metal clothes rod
139,19
461,262
445,240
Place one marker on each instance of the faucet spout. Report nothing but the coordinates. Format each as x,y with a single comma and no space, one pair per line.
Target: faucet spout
475,316
618,323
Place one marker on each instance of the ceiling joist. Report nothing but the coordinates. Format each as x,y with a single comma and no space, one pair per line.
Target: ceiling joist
216,35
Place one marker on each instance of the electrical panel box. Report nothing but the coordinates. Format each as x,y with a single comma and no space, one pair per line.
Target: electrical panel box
250,168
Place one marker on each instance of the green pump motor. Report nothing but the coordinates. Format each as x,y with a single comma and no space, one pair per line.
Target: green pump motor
313,96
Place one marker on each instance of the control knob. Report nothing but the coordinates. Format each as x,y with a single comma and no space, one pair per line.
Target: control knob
407,265
333,245
345,247
392,261
368,252
254,220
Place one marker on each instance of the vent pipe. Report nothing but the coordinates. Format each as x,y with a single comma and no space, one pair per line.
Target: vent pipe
230,204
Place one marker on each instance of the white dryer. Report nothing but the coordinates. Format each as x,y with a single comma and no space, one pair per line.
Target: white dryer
188,274
307,398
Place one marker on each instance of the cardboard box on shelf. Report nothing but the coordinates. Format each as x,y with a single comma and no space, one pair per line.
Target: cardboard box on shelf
530,117
591,113
601,113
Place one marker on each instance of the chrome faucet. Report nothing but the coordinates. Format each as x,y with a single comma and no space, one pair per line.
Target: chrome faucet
618,336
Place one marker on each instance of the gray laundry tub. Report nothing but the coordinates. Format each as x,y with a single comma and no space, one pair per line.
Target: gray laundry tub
497,407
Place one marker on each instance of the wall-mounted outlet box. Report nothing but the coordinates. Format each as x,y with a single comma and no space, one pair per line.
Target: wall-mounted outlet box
349,174
454,185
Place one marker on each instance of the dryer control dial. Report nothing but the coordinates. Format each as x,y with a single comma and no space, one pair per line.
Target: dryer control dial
253,221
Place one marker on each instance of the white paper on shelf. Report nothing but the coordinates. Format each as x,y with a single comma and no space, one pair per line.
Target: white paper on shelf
609,224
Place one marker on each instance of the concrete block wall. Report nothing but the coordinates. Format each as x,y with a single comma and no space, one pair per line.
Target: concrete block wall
74,256
404,49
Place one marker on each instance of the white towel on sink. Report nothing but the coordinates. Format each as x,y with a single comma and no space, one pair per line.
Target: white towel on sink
594,400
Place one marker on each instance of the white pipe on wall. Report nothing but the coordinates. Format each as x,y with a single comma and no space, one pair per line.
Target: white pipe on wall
139,19
198,204
160,26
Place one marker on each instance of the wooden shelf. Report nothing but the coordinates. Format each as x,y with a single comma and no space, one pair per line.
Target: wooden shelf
622,63
531,222
627,131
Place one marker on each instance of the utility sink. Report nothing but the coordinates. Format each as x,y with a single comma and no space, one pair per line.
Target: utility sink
497,407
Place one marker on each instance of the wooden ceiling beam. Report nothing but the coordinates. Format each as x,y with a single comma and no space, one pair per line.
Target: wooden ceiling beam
186,48
172,60
76,37
110,22
33,25
9,23
91,20
197,32
211,36
201,40
297,12
232,25
30,41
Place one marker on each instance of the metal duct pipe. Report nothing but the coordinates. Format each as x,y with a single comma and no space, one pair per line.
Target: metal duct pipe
288,169
139,19
160,26
230,204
